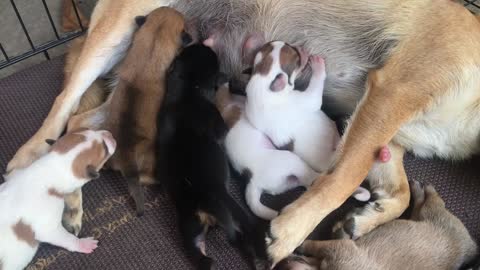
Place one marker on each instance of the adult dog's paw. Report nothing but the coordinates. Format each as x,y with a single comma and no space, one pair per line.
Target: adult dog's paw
288,230
27,154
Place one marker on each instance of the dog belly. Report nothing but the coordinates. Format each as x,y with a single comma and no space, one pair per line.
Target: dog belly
451,131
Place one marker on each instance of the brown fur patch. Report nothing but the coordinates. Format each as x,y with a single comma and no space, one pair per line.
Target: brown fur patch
289,59
55,193
95,156
24,233
67,143
264,66
206,219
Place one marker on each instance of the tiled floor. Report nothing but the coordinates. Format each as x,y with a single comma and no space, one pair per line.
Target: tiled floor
36,21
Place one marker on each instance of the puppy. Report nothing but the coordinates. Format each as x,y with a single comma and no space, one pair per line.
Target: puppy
133,107
283,140
190,152
31,199
291,118
432,239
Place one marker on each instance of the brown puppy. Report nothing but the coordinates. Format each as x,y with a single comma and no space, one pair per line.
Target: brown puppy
432,239
134,104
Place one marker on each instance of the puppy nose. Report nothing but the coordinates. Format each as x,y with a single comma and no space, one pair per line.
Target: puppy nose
109,140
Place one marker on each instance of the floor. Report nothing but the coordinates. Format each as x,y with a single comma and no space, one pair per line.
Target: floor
14,41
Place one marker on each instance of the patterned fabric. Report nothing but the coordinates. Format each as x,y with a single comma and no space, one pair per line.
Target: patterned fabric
153,241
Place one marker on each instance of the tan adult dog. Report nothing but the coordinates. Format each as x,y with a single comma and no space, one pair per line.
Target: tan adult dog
422,92
433,238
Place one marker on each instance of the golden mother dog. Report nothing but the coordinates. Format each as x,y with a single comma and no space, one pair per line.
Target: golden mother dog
398,67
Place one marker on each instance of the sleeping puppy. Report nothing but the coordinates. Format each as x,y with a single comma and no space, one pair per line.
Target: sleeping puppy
190,152
32,202
432,239
132,109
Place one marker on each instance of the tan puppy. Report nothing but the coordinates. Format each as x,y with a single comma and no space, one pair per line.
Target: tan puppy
422,91
134,105
432,239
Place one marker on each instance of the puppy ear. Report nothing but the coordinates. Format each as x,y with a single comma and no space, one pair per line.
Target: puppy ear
222,78
248,71
278,83
50,141
140,20
186,39
92,172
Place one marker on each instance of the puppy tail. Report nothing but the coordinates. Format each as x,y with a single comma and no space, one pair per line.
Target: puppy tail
252,196
136,191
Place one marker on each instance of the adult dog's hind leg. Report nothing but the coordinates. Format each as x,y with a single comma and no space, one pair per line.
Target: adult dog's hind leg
390,191
73,212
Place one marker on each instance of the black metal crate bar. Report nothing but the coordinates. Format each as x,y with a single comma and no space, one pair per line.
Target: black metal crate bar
42,48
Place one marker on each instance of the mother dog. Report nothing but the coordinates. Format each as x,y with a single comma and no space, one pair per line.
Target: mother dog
403,62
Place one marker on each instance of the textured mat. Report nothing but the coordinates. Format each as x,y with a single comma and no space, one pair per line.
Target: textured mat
152,241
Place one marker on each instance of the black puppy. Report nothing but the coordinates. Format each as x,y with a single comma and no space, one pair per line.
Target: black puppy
191,159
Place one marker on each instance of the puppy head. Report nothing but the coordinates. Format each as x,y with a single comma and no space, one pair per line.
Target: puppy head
158,40
84,153
166,25
275,69
280,61
196,67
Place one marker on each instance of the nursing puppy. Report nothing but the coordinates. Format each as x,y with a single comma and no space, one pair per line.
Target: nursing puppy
432,239
190,152
134,104
291,118
283,140
31,199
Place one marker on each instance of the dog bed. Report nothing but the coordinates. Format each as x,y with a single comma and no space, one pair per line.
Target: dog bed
153,241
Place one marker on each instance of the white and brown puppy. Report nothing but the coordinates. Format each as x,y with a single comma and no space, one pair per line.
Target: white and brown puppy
291,118
283,140
432,239
32,199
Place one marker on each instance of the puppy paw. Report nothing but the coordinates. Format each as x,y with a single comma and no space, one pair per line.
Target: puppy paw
417,192
206,263
318,65
358,223
87,245
27,154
